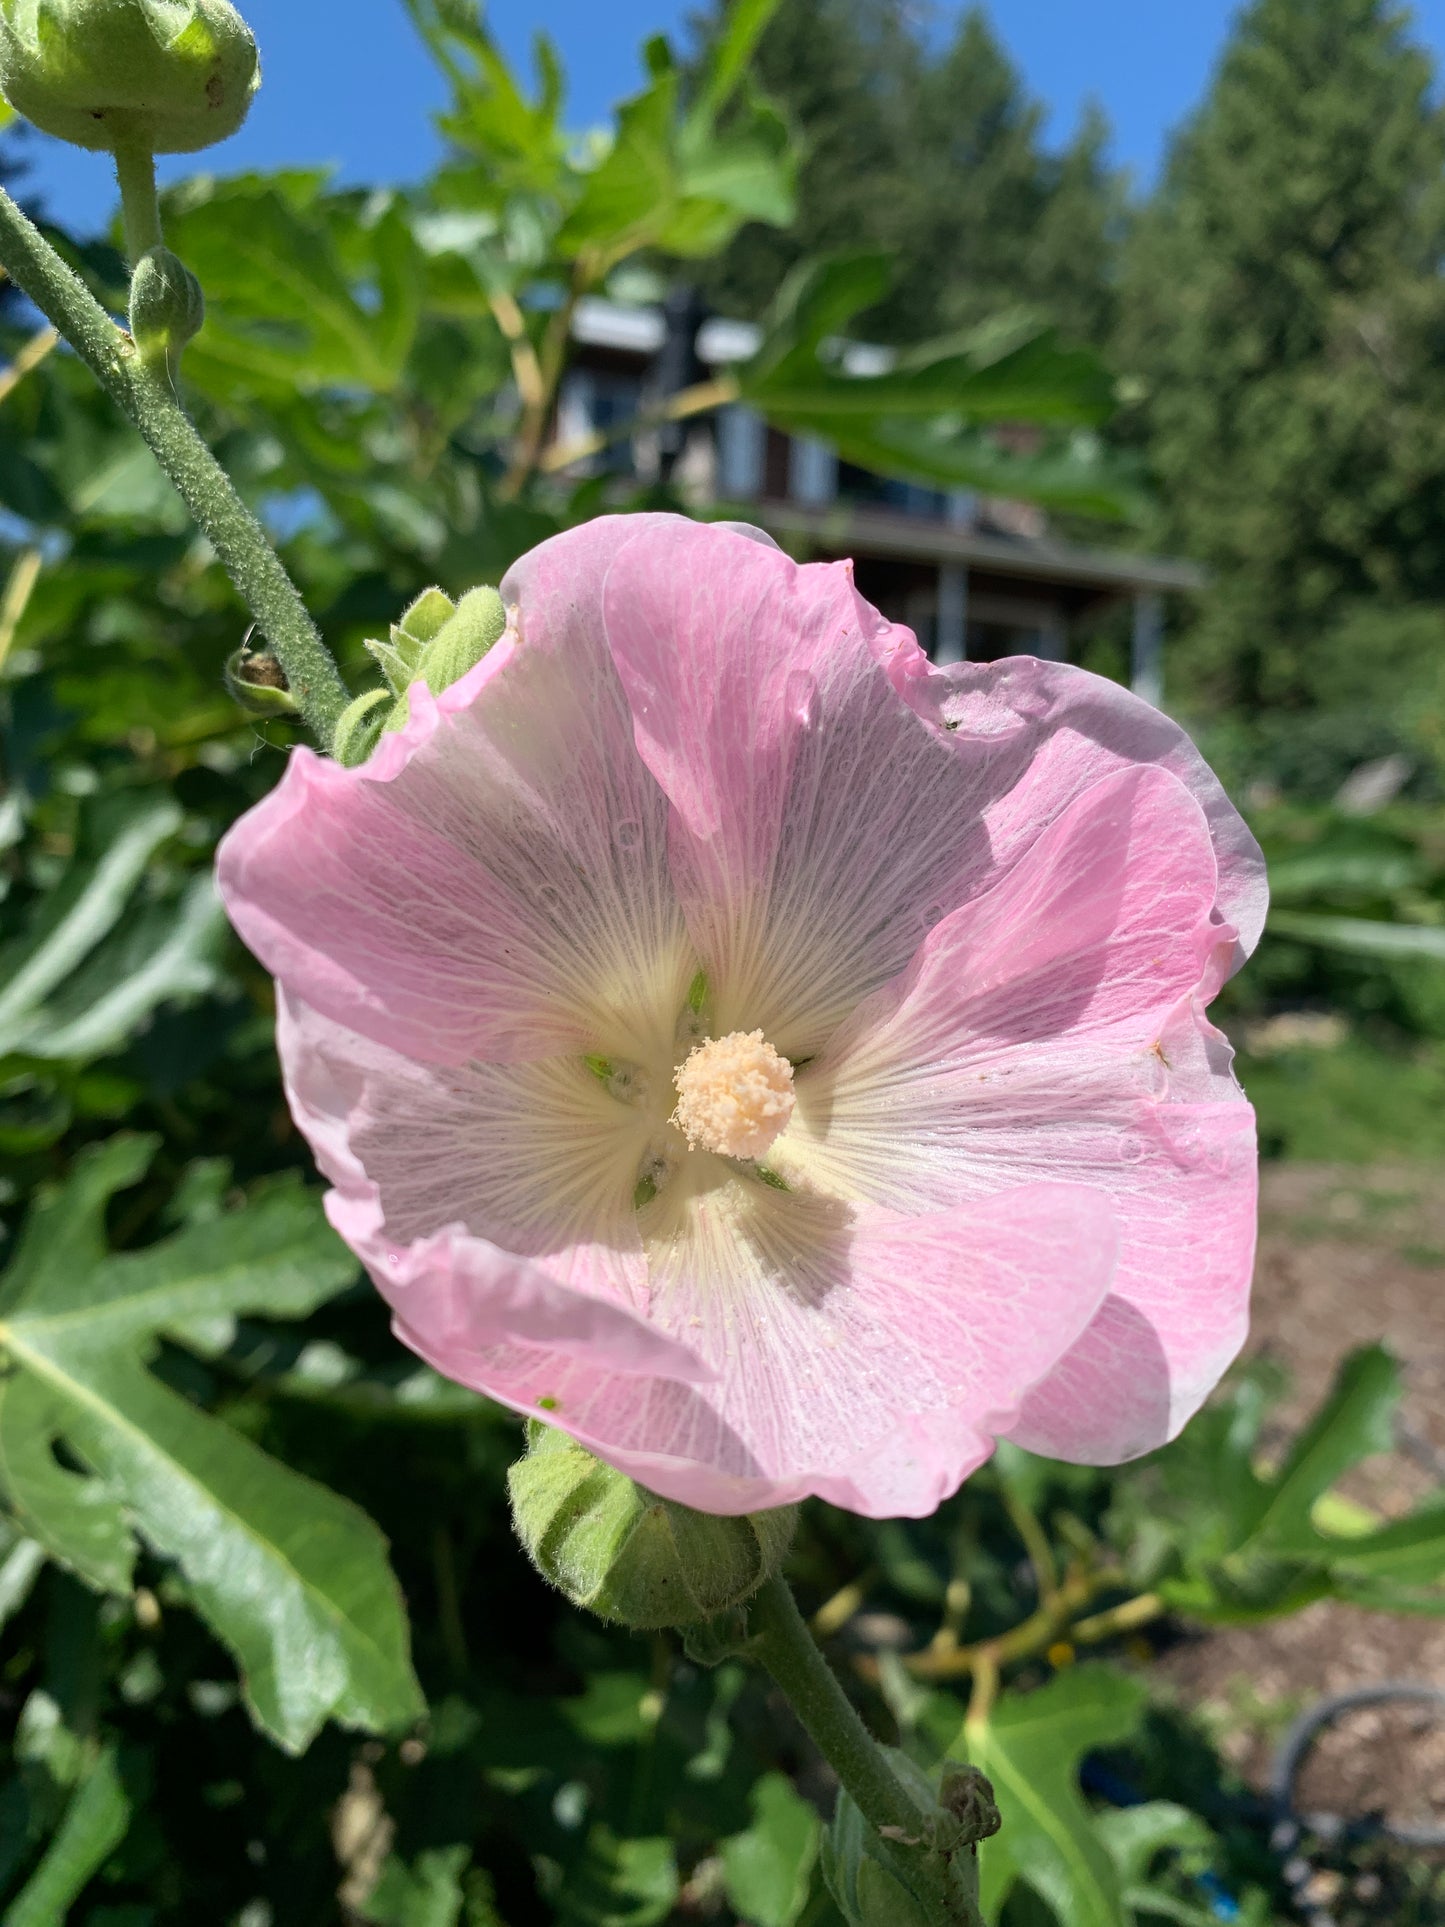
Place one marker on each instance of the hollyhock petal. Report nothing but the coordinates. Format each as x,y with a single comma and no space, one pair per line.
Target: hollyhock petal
523,1168
493,881
869,1362
1040,733
817,818
1053,1028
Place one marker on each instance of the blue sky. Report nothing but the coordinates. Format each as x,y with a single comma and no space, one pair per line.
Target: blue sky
347,81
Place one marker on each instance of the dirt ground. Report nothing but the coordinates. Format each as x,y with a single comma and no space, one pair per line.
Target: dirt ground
1347,1256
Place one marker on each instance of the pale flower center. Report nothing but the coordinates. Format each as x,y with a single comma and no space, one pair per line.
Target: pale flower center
734,1095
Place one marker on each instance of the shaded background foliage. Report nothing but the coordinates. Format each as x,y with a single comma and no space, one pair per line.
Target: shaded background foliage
203,1419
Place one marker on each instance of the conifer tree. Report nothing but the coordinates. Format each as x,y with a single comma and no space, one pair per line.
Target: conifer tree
936,156
1283,305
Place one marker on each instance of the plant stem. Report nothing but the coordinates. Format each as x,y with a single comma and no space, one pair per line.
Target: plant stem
697,400
146,398
1134,1613
784,1645
140,208
550,362
1036,1634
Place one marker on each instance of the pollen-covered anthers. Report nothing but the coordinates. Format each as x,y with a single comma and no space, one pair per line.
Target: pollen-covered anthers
734,1095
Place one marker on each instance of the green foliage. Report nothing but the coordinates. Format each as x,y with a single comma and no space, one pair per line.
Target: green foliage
94,1822
929,412
1030,1746
767,1867
101,952
292,1578
1221,1538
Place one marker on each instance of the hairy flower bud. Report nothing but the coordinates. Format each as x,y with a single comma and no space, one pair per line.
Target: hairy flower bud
167,307
628,1555
168,76
257,682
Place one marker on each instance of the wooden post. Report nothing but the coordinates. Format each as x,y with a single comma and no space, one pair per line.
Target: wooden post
1147,668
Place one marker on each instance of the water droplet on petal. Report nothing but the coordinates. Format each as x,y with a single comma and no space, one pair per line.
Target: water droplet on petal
1131,1149
628,834
935,913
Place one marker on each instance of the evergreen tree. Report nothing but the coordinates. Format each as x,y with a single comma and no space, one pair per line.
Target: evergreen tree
935,156
845,72
1283,304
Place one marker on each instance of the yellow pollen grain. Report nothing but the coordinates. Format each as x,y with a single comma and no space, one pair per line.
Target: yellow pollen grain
734,1095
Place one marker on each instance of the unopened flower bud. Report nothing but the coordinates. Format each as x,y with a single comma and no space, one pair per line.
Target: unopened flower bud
423,620
166,76
166,305
258,683
628,1555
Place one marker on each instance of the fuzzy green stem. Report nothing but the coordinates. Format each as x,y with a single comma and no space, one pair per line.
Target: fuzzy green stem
783,1644
144,395
140,208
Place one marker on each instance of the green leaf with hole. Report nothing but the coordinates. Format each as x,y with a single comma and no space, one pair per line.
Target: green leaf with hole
293,1579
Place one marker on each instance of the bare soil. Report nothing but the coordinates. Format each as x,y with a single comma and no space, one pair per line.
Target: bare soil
1348,1256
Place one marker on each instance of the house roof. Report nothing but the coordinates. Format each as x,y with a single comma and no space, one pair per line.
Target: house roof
844,526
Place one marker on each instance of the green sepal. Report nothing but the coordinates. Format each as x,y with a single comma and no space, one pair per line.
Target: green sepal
257,682
167,307
459,645
359,727
398,660
627,1554
163,76
462,641
423,620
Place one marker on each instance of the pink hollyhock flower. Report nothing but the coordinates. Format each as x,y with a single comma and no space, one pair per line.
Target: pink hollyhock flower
778,1061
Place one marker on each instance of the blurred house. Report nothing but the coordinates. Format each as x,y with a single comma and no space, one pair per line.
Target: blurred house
976,577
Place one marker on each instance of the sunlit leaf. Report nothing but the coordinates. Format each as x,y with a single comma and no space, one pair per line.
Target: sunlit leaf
319,291
292,1578
1030,1745
946,412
